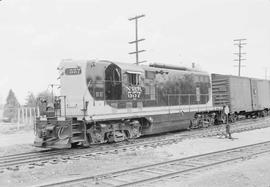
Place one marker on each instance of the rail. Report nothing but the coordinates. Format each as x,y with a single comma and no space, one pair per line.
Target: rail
171,168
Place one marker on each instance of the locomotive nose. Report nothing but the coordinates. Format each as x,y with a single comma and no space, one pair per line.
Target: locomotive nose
52,132
42,132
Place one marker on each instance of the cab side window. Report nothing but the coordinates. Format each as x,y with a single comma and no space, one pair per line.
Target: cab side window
133,79
150,75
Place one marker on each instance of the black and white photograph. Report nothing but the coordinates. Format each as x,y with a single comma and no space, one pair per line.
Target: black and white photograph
154,93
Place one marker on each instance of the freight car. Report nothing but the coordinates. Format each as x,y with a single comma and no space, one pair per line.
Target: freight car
246,97
103,101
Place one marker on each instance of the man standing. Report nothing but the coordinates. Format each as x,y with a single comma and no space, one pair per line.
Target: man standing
228,127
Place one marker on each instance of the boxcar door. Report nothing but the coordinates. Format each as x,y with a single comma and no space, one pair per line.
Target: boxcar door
254,94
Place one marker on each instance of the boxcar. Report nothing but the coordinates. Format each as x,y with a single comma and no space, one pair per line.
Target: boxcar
243,95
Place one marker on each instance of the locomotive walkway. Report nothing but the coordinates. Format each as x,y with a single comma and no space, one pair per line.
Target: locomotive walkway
169,169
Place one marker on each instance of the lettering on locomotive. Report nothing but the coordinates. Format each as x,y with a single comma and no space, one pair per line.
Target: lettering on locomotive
73,71
134,92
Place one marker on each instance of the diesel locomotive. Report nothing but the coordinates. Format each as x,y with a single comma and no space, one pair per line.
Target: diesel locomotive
103,101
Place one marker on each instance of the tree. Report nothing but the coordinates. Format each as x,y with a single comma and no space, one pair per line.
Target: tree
44,99
45,95
11,107
31,100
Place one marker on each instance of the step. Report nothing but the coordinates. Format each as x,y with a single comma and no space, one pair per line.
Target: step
76,124
77,139
76,131
76,127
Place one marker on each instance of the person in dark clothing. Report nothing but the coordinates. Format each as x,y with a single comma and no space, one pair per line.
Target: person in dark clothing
228,127
228,131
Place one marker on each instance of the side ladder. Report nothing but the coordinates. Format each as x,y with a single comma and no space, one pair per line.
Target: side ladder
78,133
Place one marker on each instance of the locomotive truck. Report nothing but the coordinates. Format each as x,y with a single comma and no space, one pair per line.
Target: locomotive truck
103,101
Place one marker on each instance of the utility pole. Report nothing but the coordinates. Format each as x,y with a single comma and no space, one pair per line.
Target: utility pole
136,41
240,44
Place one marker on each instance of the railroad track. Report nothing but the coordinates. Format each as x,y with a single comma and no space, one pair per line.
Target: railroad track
165,170
16,160
33,159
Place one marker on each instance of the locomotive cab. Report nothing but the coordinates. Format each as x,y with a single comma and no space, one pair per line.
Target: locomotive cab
113,83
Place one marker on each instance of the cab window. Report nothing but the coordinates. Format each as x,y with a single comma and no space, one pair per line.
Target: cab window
150,75
133,78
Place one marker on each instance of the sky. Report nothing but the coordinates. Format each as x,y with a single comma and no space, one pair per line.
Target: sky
36,35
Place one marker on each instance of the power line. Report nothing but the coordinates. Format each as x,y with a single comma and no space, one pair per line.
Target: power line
136,41
240,44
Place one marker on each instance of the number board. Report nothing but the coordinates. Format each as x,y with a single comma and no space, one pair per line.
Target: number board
134,92
73,71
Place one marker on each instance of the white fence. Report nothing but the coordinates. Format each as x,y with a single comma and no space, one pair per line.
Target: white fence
27,115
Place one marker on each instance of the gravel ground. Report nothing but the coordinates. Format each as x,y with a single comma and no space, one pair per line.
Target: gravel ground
243,173
15,139
253,172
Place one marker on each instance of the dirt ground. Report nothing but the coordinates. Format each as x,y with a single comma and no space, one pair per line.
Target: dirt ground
15,139
253,172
